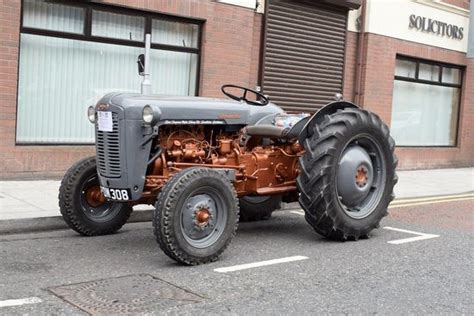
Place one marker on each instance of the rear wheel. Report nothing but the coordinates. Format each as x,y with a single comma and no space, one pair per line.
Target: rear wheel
347,174
256,208
83,206
196,216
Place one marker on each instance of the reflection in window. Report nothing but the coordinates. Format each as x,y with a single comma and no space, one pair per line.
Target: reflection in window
174,33
451,75
121,26
405,68
53,16
428,72
424,113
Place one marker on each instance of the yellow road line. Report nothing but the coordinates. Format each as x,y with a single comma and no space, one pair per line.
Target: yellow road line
430,202
432,198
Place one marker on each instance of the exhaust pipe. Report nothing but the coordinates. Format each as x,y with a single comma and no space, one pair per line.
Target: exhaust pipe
146,83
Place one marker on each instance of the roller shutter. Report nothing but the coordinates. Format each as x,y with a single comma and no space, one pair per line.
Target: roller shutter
304,53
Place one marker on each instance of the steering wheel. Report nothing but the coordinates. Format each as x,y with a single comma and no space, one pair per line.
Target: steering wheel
263,99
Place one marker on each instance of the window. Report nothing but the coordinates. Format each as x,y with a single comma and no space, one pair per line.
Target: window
71,54
425,105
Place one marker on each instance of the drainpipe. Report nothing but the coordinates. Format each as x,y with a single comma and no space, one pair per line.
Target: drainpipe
360,54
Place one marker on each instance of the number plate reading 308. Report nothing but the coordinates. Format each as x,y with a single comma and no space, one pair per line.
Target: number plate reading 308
116,194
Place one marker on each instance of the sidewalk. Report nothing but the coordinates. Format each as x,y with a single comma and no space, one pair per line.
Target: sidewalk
33,205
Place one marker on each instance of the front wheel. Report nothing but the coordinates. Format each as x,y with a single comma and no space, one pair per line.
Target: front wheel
196,216
83,206
347,174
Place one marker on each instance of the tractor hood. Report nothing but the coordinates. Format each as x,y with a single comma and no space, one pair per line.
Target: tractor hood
187,110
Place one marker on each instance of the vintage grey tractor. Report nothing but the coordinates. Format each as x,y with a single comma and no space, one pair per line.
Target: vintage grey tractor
204,162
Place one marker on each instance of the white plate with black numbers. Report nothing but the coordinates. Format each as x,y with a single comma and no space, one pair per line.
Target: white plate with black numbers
116,194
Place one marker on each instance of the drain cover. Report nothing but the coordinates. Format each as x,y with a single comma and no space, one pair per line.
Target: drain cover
132,294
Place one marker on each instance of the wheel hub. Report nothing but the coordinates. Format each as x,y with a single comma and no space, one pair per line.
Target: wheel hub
361,176
354,176
202,217
199,217
94,196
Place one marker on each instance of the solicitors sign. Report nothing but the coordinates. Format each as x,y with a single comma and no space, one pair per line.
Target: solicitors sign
436,27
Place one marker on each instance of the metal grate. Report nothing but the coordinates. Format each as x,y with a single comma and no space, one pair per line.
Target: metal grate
108,150
130,295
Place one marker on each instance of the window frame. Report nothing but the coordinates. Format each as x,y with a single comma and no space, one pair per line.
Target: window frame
88,37
459,85
148,15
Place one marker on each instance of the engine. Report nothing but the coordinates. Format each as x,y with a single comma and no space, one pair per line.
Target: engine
262,166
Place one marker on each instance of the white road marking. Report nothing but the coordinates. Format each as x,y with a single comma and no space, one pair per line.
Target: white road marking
298,212
259,264
421,236
21,301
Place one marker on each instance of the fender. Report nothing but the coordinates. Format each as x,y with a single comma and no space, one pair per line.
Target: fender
318,117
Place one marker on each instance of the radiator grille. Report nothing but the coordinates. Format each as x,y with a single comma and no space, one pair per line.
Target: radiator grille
108,150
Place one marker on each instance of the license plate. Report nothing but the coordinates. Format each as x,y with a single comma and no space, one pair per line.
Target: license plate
104,121
116,194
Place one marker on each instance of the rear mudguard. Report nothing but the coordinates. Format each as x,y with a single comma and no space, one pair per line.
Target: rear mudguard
318,117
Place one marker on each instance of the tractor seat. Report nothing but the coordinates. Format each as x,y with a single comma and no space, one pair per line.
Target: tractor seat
284,126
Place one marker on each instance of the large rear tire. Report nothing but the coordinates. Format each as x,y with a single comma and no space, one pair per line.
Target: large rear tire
82,205
347,174
257,208
196,216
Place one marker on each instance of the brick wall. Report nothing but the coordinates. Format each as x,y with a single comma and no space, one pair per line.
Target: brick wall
231,44
377,83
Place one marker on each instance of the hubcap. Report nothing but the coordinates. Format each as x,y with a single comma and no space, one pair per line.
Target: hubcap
94,205
203,218
360,177
354,176
94,196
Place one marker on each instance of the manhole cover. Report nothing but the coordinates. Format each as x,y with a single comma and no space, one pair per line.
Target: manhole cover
132,294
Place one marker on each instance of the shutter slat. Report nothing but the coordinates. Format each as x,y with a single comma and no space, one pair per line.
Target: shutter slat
304,54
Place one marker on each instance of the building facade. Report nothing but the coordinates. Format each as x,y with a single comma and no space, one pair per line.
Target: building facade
406,60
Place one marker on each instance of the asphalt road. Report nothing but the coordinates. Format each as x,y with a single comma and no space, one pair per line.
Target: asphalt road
431,274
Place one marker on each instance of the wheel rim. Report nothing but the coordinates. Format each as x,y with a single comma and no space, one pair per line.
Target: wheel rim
203,217
360,176
93,203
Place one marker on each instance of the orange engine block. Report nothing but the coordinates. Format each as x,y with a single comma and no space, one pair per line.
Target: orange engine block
259,169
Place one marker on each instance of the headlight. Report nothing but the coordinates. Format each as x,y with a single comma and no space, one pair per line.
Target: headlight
148,114
91,114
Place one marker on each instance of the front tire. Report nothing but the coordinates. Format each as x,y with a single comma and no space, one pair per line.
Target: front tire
347,174
82,205
196,216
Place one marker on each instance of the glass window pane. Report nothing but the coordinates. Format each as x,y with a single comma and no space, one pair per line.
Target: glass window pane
175,33
428,72
173,72
424,115
405,68
451,75
59,78
121,26
52,16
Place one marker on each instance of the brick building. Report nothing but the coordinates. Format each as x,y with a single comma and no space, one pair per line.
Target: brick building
405,60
